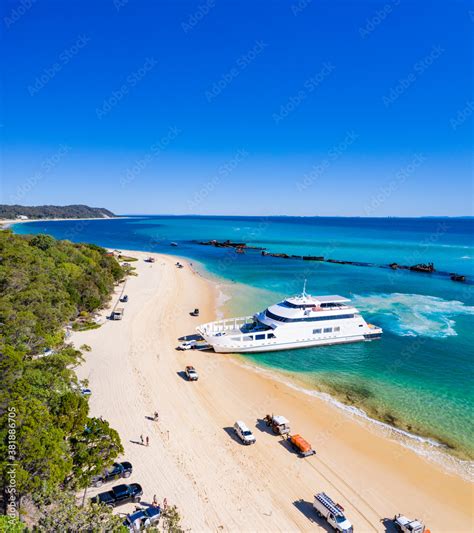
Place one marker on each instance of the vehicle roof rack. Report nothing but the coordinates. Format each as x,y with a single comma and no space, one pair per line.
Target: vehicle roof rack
330,505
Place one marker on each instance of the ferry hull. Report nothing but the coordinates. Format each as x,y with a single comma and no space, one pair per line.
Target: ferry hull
287,345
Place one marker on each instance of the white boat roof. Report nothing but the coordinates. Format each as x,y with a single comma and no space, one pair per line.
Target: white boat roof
308,299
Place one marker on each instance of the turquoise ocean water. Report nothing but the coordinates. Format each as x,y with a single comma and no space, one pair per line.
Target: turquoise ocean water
419,377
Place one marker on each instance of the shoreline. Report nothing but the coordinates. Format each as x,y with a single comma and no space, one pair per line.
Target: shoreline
6,223
443,447
201,468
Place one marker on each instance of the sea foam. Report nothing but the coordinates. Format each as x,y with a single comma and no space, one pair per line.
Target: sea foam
414,314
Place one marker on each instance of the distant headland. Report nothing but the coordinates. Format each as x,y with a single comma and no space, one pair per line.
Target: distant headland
21,212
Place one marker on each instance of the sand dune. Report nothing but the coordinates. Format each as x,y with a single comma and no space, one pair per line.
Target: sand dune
193,459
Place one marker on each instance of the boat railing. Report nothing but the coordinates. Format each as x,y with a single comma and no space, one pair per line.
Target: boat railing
227,324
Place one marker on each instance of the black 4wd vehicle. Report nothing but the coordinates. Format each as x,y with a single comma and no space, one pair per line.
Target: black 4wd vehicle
119,495
116,471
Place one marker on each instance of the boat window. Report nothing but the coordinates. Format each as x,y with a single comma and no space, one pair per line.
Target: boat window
296,306
316,331
327,330
337,329
260,337
271,336
271,315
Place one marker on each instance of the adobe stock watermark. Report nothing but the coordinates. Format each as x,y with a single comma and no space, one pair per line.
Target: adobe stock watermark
222,173
300,6
371,23
131,173
332,155
118,4
309,86
462,115
239,66
17,12
195,18
418,69
384,193
47,165
131,81
53,70
12,454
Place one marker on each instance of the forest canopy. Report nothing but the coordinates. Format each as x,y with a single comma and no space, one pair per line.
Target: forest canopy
54,211
57,446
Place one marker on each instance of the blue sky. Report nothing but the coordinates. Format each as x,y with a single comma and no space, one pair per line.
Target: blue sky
302,107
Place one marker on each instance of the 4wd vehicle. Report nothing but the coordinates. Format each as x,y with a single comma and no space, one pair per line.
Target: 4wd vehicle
406,525
142,519
191,373
124,298
188,345
116,471
332,512
119,495
244,433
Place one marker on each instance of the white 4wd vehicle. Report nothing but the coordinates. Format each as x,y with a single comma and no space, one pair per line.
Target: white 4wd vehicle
244,433
332,512
406,525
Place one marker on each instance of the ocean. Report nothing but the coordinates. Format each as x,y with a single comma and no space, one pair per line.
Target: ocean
417,378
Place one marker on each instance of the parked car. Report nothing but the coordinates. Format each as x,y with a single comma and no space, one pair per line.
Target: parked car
124,298
406,525
85,391
188,345
119,495
195,312
116,471
117,314
244,433
191,373
142,519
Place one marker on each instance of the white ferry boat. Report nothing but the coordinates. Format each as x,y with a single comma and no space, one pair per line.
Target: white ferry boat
297,322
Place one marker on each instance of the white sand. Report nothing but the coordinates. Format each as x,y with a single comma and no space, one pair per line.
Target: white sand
194,462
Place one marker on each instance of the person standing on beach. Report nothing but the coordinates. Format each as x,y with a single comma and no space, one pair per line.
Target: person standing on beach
141,439
147,441
155,501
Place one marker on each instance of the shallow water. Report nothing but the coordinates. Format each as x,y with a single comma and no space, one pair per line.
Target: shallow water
418,377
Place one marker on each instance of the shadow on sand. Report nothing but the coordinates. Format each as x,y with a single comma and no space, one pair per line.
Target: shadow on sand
182,375
262,426
231,432
389,525
307,509
194,337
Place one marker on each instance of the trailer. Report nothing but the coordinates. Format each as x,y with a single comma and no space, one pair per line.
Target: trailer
300,445
279,424
332,512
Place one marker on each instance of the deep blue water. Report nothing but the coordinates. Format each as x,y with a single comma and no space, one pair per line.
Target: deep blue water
419,376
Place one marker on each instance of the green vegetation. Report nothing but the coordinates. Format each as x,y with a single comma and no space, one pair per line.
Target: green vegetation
46,435
54,211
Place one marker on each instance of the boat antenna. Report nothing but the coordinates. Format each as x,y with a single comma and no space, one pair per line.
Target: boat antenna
304,288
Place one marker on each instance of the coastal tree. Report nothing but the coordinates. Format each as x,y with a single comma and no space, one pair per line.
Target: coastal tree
60,512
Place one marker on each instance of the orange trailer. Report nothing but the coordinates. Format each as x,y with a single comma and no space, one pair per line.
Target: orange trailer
301,445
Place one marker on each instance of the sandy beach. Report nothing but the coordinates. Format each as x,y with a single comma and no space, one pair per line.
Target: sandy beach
194,461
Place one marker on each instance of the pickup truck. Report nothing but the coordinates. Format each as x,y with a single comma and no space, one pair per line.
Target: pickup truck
191,373
406,525
142,519
119,495
116,471
332,512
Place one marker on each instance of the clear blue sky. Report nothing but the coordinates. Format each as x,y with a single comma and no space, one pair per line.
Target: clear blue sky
305,107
